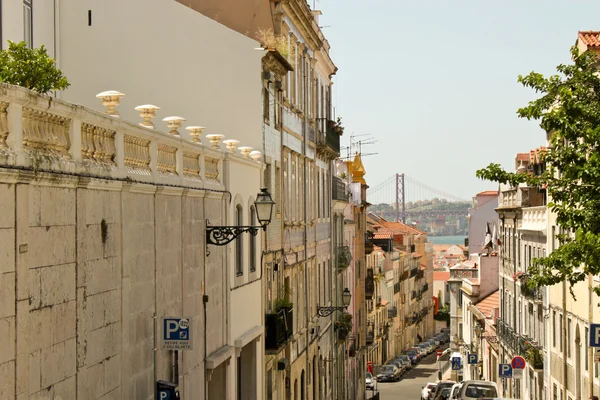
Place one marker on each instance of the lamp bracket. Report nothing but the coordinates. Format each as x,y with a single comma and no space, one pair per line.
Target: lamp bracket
327,311
222,235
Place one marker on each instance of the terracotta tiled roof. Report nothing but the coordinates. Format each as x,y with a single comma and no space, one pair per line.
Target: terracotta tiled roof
487,305
488,193
522,156
590,38
383,236
384,302
441,275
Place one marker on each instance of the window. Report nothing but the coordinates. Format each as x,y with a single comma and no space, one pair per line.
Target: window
28,23
266,104
560,327
252,241
553,328
585,349
555,392
569,337
239,244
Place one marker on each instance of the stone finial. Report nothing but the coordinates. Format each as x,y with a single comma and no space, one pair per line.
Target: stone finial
147,112
215,139
245,150
195,132
111,99
255,155
231,145
174,123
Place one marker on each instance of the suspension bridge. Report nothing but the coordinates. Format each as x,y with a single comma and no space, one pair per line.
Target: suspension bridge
401,197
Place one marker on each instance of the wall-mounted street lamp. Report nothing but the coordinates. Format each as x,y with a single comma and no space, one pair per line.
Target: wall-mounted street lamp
222,235
327,311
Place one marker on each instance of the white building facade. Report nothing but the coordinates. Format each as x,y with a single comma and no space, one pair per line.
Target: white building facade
115,45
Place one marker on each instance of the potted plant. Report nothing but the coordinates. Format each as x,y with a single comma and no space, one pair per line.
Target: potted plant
282,302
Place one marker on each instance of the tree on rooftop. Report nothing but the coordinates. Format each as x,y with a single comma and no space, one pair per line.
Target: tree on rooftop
569,111
30,68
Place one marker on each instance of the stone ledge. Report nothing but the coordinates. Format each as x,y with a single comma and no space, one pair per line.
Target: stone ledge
219,357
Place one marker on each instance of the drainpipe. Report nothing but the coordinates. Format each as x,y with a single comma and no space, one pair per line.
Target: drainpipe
590,354
306,291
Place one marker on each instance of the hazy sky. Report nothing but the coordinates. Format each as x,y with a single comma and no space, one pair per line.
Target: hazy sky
435,81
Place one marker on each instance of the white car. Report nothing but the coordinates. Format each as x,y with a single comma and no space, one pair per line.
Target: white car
370,382
474,390
427,390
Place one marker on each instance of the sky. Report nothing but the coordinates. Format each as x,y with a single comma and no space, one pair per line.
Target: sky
435,81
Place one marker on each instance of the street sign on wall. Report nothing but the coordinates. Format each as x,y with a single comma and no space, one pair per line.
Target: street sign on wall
505,371
518,362
175,333
595,335
456,364
517,373
472,358
597,355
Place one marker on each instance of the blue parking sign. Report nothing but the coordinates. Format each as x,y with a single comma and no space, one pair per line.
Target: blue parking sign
472,358
505,371
595,335
456,364
176,333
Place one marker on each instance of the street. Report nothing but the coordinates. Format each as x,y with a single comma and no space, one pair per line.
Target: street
409,387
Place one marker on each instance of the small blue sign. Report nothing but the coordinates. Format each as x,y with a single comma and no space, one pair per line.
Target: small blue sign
456,364
472,358
176,333
595,335
505,371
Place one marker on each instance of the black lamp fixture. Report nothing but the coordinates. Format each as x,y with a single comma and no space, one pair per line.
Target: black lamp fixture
327,311
222,235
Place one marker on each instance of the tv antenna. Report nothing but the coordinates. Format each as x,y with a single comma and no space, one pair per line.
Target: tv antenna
358,144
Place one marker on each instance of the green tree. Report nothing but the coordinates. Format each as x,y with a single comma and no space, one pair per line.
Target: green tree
30,68
569,111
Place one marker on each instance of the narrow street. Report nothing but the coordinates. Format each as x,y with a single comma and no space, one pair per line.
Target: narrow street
409,387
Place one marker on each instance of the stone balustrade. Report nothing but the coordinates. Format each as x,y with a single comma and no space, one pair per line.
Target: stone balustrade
535,219
43,134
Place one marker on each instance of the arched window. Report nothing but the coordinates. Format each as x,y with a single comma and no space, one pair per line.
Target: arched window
252,240
239,243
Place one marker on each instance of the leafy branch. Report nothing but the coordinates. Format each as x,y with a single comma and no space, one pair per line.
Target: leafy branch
569,111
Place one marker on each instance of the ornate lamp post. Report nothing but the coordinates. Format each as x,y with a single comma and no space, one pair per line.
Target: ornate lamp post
327,311
222,235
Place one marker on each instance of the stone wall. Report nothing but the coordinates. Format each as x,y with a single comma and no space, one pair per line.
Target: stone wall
94,261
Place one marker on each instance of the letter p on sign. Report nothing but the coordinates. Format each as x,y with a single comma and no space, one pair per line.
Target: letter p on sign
595,335
172,327
164,395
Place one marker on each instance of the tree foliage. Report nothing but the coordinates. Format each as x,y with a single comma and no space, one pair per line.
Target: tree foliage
30,68
569,111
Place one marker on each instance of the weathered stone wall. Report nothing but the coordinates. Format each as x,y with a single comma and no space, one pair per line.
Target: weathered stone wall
83,268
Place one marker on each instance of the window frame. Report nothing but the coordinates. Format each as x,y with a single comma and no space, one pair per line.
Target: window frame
28,5
239,242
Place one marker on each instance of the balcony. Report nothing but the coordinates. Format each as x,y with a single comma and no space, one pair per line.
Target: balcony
508,337
369,284
328,143
535,294
370,337
338,190
392,312
369,245
344,257
278,329
534,219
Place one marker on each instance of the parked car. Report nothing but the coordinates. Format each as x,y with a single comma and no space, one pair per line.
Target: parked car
369,381
388,373
441,385
444,394
454,391
426,390
406,360
420,352
474,390
399,364
413,355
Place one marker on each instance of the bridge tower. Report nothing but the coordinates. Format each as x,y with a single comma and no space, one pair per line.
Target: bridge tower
400,197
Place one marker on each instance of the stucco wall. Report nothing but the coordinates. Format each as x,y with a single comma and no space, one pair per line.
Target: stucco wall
85,299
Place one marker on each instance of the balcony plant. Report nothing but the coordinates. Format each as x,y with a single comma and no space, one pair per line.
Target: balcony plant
343,326
282,302
534,356
271,41
344,257
31,68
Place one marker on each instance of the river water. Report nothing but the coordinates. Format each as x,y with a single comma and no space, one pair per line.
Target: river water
447,239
